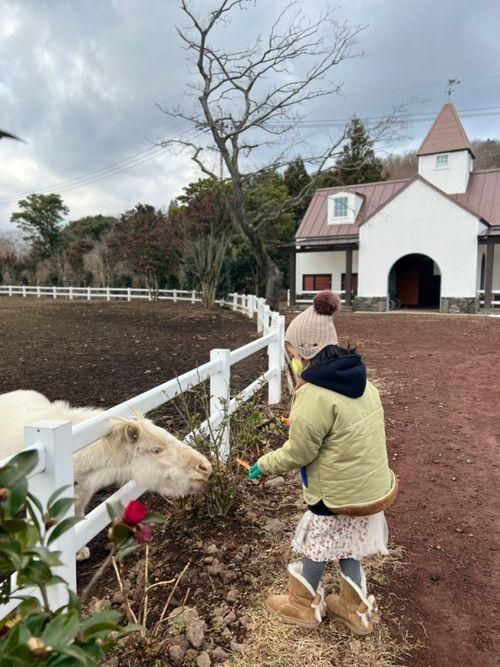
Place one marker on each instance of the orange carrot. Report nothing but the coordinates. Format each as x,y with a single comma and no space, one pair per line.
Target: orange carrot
242,463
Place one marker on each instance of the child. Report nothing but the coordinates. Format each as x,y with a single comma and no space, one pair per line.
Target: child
337,439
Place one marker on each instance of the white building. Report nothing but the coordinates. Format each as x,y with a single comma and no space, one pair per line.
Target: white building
427,240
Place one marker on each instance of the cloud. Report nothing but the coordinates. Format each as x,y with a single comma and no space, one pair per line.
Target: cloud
79,81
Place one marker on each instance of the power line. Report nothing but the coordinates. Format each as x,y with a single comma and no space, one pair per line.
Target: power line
103,172
423,85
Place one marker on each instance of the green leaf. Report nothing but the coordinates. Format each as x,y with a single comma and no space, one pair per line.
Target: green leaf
128,629
13,526
76,654
18,468
36,503
62,527
115,510
61,630
125,551
17,498
33,515
50,558
57,493
30,605
104,620
29,537
74,601
121,532
36,573
60,507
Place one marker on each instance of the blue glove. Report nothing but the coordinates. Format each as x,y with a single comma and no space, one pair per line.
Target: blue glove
255,472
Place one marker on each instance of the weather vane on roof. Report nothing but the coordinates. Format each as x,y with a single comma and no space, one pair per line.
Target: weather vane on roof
452,84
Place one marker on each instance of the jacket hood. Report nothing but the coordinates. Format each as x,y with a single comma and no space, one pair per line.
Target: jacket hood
345,375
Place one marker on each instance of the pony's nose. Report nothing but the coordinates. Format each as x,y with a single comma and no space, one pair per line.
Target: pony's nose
205,467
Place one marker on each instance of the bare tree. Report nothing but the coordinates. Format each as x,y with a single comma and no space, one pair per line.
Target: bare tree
253,97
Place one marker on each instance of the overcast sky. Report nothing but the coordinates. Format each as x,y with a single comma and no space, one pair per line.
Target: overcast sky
80,81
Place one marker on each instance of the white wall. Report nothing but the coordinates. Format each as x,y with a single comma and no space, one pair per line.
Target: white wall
420,220
452,179
331,262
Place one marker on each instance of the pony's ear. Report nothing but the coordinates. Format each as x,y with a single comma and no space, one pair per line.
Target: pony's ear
128,430
132,432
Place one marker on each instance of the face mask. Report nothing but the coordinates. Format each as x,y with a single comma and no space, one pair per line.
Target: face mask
297,366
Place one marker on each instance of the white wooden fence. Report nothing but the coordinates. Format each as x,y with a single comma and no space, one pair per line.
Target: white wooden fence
107,293
56,441
495,301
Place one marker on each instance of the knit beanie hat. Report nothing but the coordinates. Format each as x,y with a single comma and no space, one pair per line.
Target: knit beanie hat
313,330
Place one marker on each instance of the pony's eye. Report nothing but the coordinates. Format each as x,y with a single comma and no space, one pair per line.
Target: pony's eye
157,450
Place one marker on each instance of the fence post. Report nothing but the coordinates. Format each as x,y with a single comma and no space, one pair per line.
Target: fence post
10,290
89,294
57,440
219,400
251,305
281,323
54,292
38,294
108,296
193,296
274,355
175,296
129,294
259,315
71,294
235,301
24,290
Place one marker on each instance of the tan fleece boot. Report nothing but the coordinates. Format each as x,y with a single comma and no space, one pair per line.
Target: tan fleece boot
353,606
302,606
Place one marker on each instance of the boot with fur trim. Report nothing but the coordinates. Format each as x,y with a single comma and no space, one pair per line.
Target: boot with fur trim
303,605
353,606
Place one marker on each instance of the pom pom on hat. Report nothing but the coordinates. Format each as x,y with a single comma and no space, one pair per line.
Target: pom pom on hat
326,303
313,329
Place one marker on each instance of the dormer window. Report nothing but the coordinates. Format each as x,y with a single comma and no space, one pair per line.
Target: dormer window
340,208
442,161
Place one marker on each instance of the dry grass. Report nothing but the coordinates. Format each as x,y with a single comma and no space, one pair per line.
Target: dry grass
272,643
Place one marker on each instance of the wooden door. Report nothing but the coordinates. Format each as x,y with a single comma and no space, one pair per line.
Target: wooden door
407,286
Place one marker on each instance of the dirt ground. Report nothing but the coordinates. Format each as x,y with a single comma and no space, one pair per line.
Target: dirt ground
439,379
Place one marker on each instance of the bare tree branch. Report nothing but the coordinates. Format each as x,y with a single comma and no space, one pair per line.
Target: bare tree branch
255,97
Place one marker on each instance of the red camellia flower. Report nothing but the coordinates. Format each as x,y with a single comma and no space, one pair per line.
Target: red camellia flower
144,534
135,512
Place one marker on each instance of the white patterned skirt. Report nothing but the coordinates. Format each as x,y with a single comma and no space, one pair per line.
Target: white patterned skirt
323,538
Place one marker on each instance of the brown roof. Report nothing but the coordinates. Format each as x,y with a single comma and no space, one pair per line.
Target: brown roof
446,134
481,199
315,222
483,195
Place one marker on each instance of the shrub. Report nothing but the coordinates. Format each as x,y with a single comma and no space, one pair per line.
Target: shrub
37,634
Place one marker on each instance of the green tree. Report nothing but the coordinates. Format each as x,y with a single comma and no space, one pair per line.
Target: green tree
90,227
296,180
40,218
357,162
206,230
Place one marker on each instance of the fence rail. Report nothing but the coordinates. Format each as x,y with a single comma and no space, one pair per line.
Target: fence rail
57,441
107,293
495,297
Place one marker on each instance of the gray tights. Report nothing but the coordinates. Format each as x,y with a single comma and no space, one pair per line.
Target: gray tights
312,570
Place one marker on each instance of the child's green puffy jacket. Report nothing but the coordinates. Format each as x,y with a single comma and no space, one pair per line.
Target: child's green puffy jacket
341,443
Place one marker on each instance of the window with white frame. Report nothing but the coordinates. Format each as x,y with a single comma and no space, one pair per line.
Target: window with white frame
340,209
441,161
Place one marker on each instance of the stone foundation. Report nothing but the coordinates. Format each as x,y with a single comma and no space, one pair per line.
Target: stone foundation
459,304
370,303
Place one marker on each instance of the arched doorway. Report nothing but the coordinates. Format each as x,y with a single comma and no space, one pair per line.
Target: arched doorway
416,282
